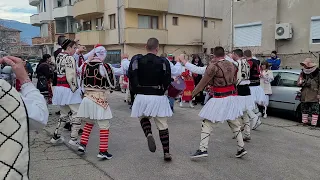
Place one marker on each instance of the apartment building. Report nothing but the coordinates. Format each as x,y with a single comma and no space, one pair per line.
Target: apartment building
182,26
292,27
55,18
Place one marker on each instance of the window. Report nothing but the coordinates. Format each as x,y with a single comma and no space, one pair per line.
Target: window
276,79
99,23
248,35
44,30
70,3
112,20
315,30
213,24
175,21
44,6
205,23
288,80
87,25
148,22
59,4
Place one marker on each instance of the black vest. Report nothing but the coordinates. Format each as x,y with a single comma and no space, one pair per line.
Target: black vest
254,72
92,77
149,75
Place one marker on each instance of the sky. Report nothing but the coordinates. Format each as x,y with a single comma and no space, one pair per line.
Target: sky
18,10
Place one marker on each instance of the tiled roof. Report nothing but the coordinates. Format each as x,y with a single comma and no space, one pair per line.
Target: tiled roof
3,28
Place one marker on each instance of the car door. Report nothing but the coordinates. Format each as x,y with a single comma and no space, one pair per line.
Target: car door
285,91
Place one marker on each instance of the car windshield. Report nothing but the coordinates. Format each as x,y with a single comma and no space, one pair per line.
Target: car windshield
288,79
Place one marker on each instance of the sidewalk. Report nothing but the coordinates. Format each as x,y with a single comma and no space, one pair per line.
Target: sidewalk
48,162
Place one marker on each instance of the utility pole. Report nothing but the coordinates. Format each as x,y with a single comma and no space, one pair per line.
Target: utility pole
231,24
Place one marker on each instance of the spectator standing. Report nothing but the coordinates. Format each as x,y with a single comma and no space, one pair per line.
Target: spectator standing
45,75
197,78
274,61
309,80
266,77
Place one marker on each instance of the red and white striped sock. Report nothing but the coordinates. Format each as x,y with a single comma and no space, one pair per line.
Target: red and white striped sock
104,139
86,133
314,119
305,118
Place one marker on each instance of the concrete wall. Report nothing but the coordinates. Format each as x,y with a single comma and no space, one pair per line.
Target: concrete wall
213,8
271,12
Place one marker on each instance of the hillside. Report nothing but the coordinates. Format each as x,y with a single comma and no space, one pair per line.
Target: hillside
28,31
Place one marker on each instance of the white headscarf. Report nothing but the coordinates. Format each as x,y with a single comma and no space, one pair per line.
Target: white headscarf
100,52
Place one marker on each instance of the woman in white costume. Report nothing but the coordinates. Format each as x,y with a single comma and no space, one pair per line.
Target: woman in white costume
265,82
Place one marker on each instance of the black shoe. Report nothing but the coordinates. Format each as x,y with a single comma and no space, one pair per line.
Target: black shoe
151,143
199,154
82,148
68,126
104,155
80,131
167,157
58,113
129,103
241,153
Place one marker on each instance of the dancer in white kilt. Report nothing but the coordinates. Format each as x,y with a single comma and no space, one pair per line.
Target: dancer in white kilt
255,89
97,79
150,77
265,82
223,106
245,100
67,93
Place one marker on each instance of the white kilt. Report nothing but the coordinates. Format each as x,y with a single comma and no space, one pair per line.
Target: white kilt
64,96
151,106
246,102
90,109
258,94
221,109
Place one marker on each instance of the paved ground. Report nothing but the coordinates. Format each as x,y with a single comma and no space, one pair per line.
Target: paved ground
279,150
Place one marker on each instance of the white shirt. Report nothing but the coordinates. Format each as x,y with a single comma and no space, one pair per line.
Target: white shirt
195,69
35,103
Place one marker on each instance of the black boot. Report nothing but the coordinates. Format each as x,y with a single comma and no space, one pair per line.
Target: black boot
164,138
146,127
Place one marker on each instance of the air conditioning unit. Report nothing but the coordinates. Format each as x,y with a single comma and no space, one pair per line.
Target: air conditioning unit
283,31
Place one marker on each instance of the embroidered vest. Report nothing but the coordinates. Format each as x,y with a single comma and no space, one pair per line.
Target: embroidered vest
14,134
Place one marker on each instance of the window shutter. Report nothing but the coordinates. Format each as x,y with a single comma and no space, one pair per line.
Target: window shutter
247,35
315,29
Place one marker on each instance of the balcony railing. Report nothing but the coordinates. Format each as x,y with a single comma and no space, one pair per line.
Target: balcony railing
34,20
63,11
141,36
155,5
83,9
34,2
92,37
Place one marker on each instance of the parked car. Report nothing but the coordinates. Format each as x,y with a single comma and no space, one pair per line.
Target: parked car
285,92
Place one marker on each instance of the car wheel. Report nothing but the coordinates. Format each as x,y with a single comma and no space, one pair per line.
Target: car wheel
298,114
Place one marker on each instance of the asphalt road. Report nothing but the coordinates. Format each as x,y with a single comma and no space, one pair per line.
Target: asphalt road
279,150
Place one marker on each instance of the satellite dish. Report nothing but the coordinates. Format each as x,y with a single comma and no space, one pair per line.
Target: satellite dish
280,31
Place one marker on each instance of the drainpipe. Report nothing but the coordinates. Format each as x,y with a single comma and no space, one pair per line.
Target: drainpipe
202,24
231,24
118,17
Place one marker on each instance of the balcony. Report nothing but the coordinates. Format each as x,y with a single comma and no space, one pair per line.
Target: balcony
91,37
155,5
67,35
141,36
34,20
85,9
45,16
34,2
42,40
64,11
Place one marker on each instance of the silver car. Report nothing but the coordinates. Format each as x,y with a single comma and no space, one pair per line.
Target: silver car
285,91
